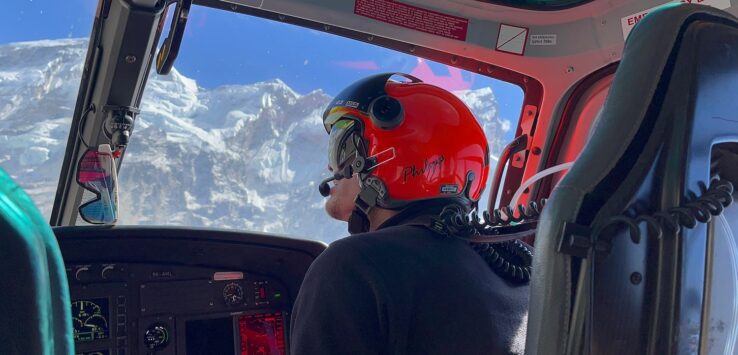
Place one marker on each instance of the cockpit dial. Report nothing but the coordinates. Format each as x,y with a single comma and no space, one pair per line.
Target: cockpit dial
90,319
233,294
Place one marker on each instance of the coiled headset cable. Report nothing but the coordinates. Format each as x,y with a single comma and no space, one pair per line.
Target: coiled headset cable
697,209
495,236
583,242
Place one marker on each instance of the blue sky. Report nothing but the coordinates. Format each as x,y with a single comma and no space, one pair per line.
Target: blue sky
226,48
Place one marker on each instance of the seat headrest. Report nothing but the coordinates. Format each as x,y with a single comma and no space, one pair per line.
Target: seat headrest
652,95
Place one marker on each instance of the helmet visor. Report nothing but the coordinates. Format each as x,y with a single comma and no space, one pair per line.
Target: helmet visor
341,144
359,95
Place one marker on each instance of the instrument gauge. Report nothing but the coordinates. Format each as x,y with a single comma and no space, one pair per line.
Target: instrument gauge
89,318
233,294
156,337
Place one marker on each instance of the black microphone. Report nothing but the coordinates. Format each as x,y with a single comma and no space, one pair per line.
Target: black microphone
324,188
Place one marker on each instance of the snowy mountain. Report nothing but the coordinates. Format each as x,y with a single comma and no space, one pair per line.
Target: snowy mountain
240,156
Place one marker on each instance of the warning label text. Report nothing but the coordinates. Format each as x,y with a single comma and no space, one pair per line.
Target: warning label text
412,17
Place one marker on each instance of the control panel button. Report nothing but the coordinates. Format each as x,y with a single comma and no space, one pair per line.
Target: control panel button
156,337
110,271
261,293
83,273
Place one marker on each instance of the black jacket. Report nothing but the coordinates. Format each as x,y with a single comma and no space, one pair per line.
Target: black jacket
405,289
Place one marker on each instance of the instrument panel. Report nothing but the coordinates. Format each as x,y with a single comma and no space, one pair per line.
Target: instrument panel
163,291
90,319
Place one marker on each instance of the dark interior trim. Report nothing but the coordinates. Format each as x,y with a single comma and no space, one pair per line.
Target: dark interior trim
539,5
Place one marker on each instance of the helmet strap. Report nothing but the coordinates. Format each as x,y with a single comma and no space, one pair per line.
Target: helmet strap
358,222
371,192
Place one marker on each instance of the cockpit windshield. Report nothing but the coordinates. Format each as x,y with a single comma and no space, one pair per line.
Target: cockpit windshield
232,138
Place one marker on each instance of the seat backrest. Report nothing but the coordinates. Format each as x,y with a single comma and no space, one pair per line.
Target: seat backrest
675,95
34,293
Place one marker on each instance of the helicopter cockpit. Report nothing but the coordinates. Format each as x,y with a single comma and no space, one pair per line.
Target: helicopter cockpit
171,228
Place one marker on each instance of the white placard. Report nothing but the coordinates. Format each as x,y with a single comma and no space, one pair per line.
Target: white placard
511,39
543,40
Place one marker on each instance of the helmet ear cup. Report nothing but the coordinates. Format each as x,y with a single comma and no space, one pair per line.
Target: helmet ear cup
386,112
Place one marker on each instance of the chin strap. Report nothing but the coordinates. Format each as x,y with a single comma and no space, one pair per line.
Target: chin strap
358,222
365,201
372,190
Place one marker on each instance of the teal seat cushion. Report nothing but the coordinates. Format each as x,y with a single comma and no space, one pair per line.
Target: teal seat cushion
34,293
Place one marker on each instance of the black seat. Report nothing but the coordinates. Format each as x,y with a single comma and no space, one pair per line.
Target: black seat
675,95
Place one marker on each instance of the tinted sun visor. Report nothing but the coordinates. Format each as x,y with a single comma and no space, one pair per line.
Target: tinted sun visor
360,94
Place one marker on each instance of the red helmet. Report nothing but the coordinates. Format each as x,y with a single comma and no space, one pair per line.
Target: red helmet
408,141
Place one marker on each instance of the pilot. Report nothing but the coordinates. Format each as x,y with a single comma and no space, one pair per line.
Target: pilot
403,154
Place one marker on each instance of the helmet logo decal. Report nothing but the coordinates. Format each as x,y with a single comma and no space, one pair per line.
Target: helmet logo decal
430,168
450,189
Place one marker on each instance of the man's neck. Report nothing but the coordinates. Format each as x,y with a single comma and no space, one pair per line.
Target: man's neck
377,216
